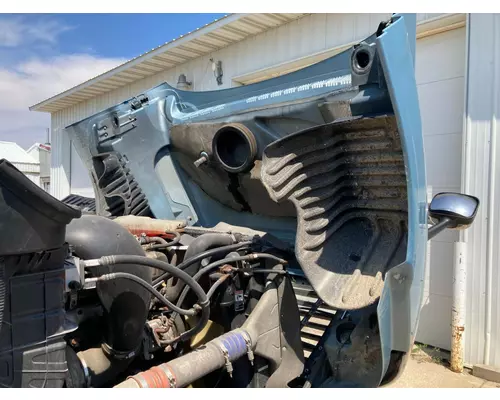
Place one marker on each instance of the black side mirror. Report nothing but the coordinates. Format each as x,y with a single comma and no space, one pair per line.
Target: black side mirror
452,211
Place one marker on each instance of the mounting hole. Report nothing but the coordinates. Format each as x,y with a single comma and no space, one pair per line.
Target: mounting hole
234,148
354,257
343,332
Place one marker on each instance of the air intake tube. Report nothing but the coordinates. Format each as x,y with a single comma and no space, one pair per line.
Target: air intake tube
125,302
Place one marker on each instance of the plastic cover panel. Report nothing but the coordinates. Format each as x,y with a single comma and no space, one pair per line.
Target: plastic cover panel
347,181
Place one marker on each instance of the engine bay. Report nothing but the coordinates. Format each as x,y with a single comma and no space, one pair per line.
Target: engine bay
215,307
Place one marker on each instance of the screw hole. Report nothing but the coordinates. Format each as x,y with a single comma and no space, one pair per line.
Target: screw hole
343,332
355,257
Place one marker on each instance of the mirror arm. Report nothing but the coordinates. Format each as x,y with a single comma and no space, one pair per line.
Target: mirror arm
439,227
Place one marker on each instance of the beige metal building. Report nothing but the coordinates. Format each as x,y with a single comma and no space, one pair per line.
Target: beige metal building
458,77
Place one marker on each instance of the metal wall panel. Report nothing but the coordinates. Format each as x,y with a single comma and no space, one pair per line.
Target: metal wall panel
35,178
440,69
481,178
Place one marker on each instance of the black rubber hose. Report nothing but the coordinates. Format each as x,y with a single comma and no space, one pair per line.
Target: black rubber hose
203,271
248,257
151,289
150,262
204,302
262,271
211,266
217,283
152,239
125,303
162,243
197,246
209,253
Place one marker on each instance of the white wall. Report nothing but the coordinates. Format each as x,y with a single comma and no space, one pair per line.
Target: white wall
35,153
440,69
481,178
31,170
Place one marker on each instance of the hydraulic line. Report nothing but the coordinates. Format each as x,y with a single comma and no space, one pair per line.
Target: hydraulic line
261,271
186,263
147,286
161,243
211,266
217,283
208,268
152,263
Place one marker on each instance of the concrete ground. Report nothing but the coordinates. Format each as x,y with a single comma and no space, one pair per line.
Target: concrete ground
428,369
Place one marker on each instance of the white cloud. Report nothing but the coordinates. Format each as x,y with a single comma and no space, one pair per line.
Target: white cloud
19,31
35,80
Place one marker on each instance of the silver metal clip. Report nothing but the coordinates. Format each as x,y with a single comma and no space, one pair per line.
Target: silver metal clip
249,350
229,366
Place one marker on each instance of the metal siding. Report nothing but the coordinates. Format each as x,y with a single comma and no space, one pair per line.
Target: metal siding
35,178
25,168
482,179
59,171
226,31
80,181
439,71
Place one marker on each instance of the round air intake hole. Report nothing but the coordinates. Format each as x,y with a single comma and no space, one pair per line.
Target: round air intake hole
362,59
234,147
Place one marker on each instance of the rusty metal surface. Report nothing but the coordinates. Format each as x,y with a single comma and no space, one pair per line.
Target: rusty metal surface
347,181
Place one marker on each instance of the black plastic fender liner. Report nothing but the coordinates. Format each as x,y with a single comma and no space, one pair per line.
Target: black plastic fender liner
347,180
125,302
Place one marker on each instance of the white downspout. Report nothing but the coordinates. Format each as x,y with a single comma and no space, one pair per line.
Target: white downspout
459,277
492,207
458,307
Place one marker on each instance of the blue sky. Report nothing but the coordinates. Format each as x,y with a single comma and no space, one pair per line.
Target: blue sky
44,54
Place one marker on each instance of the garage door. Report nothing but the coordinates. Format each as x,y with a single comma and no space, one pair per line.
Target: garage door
440,69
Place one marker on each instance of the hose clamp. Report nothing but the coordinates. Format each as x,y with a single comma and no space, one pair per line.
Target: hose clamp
170,375
86,372
119,355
